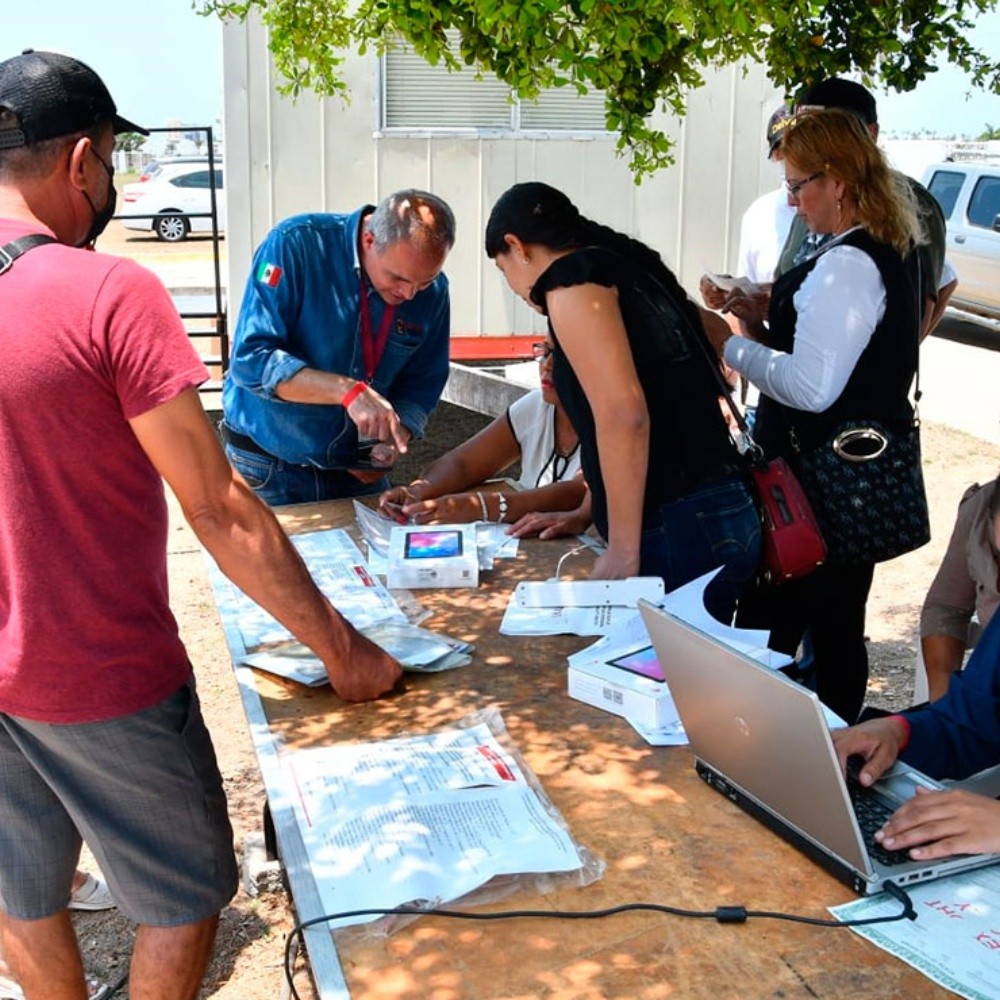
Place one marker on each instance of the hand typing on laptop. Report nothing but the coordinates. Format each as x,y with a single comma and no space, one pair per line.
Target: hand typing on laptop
940,824
878,741
931,825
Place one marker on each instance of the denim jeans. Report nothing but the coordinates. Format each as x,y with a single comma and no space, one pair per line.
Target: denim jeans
278,483
714,526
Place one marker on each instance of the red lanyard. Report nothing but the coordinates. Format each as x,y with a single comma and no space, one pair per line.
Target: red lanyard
373,346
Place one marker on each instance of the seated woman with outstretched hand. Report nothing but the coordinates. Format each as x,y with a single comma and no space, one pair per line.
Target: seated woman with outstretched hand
535,431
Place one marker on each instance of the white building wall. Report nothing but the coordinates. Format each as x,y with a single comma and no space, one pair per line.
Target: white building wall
285,157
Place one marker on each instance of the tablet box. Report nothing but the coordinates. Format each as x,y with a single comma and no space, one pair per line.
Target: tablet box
426,556
621,692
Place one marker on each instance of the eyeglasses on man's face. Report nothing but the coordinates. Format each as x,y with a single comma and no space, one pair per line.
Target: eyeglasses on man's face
542,352
794,187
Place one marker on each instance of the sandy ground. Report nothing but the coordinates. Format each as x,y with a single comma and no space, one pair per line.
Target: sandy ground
249,954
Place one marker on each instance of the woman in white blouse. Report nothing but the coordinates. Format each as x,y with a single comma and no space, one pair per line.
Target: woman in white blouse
840,344
534,431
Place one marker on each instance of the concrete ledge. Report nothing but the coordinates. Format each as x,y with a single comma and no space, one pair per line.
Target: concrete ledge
480,391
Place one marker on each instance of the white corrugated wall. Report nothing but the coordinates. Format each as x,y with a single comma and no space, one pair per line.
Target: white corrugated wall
285,157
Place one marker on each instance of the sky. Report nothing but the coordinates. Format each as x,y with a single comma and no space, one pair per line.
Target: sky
163,62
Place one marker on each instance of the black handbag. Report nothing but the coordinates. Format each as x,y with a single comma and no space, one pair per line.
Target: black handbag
866,487
866,484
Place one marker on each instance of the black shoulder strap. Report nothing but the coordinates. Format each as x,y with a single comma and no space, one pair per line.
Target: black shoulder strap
11,251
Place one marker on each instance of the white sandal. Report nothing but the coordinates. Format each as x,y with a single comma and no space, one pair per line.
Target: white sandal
92,895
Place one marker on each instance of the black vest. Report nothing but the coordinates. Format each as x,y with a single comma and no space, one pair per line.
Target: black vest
878,388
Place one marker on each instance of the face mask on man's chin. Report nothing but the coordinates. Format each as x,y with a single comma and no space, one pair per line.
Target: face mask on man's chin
102,217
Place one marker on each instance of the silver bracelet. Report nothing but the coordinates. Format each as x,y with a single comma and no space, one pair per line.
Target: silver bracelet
502,515
483,507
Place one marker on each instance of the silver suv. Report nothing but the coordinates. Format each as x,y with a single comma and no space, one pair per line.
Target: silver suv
969,196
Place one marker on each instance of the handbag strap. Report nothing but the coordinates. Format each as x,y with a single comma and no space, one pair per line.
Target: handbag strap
9,252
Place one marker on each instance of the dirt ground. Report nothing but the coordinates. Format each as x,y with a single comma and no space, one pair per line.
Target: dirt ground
248,960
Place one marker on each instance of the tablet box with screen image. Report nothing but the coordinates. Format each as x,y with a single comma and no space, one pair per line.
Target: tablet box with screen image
630,685
439,556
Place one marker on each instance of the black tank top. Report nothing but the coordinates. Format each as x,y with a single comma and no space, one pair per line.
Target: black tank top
689,443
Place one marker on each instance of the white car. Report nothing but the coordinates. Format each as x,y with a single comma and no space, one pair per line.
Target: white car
175,202
969,195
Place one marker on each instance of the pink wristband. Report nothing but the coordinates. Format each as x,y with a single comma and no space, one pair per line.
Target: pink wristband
352,394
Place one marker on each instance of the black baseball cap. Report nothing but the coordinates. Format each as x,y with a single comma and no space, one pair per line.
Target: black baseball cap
776,126
836,92
54,95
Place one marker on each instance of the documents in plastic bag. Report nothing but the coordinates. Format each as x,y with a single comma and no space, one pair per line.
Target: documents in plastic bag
339,570
429,819
417,649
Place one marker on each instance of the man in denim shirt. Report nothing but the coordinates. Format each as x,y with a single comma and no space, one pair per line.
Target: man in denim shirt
342,339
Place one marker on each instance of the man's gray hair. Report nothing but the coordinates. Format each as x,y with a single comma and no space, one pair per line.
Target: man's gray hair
417,216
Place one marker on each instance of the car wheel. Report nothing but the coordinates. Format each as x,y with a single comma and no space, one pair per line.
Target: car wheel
172,228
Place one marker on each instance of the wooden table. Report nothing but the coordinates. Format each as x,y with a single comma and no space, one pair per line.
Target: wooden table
665,837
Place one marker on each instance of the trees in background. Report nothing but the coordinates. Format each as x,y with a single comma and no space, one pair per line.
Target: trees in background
643,54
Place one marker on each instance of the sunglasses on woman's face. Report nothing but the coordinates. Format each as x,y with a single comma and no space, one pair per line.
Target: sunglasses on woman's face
542,352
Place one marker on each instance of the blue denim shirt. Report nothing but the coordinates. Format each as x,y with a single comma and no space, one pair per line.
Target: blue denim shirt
308,315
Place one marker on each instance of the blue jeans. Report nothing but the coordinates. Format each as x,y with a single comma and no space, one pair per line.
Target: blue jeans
714,526
278,483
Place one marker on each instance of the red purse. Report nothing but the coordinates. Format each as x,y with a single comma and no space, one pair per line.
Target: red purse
792,545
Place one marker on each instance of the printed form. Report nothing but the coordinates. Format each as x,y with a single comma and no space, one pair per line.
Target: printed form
420,818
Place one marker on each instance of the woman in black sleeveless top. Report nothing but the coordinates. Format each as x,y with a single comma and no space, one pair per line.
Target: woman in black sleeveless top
633,370
841,345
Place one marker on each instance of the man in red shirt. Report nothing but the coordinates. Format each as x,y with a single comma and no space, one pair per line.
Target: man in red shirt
101,734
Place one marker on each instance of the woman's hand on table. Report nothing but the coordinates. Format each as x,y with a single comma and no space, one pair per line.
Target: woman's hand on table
454,508
549,524
615,565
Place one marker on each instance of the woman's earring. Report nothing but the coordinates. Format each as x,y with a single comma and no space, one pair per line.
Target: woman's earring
526,260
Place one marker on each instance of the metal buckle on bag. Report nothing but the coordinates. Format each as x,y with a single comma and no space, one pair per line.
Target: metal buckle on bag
6,260
860,444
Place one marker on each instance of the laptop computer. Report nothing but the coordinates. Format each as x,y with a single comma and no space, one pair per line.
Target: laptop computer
762,740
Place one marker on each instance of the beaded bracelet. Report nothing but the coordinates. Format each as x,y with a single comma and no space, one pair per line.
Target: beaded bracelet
502,515
483,507
352,394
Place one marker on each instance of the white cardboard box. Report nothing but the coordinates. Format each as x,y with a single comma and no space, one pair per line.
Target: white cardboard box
433,556
641,699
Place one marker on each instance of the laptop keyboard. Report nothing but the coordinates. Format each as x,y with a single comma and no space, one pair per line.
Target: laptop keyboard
872,815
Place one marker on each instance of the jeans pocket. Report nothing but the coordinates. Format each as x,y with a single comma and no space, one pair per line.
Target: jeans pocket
255,469
731,528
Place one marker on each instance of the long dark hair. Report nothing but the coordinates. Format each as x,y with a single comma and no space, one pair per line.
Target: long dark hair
541,214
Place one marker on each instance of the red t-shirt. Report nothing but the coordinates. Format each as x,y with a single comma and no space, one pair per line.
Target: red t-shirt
87,341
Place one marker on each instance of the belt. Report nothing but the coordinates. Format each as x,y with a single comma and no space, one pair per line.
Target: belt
243,442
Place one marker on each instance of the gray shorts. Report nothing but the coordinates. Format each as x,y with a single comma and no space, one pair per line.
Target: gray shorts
145,793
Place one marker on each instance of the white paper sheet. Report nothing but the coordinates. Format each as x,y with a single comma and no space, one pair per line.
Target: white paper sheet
420,818
955,939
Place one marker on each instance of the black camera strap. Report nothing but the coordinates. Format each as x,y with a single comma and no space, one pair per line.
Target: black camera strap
11,251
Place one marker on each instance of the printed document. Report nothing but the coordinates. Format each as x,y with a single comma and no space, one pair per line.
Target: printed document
955,939
419,818
339,571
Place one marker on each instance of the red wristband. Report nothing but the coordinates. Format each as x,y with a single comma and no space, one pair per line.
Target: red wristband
905,723
352,394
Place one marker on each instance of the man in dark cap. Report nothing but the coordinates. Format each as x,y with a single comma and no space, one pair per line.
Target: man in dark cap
101,735
937,277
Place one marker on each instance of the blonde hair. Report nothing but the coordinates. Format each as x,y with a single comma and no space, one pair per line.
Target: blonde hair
835,142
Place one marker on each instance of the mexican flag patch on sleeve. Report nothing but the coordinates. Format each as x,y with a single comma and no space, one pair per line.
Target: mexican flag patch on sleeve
269,274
